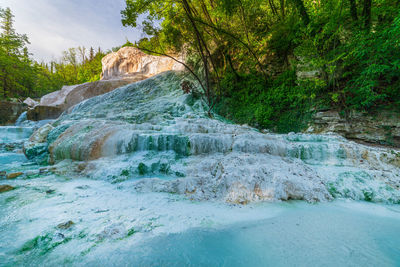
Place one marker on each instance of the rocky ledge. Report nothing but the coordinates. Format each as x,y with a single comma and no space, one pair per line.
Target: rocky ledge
381,129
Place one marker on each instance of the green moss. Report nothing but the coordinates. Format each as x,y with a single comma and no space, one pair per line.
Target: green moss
333,190
131,231
179,174
125,172
142,169
82,234
368,196
42,244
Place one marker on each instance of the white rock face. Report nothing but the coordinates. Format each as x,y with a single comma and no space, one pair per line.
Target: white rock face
161,139
53,104
30,102
130,61
57,98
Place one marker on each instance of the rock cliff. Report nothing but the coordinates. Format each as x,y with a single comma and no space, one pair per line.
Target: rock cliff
130,61
383,128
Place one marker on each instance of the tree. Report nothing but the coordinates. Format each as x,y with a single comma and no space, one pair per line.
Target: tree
82,53
302,10
20,76
91,54
353,9
13,55
367,13
241,49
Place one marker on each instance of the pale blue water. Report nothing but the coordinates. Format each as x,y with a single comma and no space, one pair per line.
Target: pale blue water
115,226
10,134
335,234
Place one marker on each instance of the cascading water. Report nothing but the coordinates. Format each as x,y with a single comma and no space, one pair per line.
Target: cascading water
23,117
142,176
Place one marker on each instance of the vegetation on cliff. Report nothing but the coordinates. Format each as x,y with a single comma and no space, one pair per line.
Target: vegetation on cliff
269,62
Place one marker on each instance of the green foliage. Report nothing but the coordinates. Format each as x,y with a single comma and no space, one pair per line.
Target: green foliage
265,63
281,104
14,61
284,37
372,67
357,64
346,54
20,76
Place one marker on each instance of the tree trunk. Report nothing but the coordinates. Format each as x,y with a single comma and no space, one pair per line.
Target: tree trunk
273,8
283,9
367,14
302,10
232,67
353,9
5,87
202,50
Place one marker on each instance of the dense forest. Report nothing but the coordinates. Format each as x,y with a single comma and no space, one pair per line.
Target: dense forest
271,62
21,76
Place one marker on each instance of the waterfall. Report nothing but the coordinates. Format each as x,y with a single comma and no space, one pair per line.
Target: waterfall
21,119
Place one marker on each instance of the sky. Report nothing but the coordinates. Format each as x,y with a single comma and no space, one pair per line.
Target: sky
53,26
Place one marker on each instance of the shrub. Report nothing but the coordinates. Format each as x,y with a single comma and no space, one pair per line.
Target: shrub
282,104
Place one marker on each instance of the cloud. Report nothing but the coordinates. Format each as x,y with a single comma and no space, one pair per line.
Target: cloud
55,25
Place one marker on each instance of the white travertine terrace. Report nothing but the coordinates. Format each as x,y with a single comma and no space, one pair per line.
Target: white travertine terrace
153,133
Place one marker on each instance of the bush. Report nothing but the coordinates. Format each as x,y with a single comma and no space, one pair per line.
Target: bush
373,68
282,105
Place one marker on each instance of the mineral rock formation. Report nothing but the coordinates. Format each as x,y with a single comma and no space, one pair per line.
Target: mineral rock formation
52,105
57,98
36,146
163,141
30,102
14,175
5,188
126,66
130,61
43,112
383,128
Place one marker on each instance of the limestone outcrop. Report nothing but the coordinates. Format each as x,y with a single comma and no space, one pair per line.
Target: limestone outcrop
130,61
163,140
120,68
383,128
52,105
